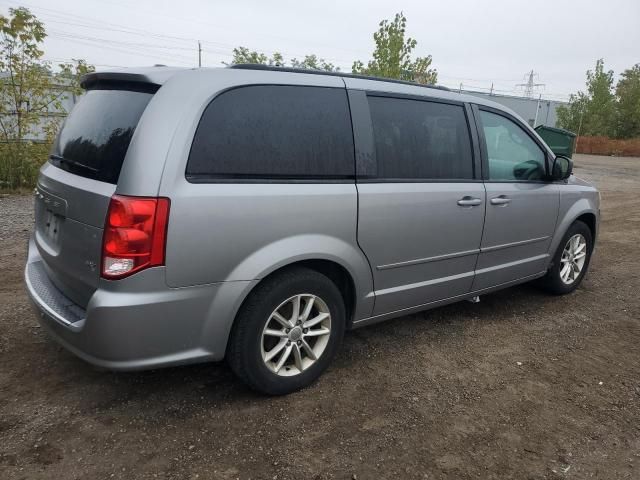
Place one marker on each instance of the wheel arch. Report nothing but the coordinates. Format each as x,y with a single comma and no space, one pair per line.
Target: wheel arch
341,261
330,255
333,270
589,218
581,210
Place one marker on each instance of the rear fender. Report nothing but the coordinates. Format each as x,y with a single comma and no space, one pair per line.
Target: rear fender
298,248
231,294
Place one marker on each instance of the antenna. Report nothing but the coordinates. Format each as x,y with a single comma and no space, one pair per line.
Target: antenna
530,85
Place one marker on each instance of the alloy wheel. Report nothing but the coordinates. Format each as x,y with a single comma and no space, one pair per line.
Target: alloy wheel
296,334
573,259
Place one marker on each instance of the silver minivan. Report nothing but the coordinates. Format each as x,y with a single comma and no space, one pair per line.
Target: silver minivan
255,213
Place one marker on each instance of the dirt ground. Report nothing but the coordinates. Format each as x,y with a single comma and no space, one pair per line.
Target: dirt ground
522,385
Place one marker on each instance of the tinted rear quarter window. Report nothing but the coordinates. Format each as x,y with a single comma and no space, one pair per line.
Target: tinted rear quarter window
417,139
273,131
95,137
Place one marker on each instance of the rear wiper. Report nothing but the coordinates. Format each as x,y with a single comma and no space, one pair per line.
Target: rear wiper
61,159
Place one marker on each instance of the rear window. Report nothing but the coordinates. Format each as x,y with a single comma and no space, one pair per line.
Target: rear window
95,136
274,131
420,140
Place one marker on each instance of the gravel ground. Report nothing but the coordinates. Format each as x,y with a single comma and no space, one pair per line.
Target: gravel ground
522,385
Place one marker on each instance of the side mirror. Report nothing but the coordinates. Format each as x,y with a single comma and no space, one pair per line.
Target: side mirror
562,168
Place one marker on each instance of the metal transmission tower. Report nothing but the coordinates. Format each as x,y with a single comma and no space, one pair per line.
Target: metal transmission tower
530,85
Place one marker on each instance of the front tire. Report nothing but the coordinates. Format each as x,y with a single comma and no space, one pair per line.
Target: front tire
571,260
287,331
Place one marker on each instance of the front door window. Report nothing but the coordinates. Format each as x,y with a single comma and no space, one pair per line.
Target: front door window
513,155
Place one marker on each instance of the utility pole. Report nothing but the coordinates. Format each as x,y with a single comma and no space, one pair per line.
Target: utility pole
530,85
535,120
575,148
199,54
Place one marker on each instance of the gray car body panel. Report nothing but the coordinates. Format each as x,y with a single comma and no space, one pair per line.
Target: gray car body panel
138,322
406,246
577,198
422,246
72,256
516,236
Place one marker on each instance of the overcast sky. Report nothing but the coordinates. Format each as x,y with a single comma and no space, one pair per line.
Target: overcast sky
475,43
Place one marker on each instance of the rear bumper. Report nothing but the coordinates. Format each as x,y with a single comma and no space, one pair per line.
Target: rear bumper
139,322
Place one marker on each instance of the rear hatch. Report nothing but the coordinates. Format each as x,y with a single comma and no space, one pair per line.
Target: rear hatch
75,186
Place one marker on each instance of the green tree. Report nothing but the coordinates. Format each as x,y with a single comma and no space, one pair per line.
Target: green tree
592,112
628,97
392,55
313,62
29,93
570,116
70,74
66,82
244,55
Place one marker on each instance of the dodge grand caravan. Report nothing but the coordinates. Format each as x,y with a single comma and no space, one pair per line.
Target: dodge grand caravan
253,214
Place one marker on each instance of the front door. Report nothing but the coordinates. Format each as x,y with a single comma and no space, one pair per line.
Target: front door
421,213
522,207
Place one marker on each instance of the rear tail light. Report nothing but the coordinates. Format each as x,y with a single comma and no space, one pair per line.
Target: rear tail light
134,235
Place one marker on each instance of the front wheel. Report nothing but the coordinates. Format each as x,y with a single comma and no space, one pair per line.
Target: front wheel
287,331
571,260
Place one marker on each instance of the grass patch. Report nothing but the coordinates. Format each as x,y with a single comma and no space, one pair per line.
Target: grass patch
20,164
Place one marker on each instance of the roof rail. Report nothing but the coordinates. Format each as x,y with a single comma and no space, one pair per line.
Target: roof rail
259,66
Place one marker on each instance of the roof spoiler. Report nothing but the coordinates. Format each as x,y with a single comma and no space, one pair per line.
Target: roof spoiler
118,80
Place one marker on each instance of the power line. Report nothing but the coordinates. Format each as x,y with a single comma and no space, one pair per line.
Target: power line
226,27
478,79
145,49
87,22
132,51
81,21
55,33
70,60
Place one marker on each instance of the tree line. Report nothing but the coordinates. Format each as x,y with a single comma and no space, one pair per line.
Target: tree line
391,56
604,109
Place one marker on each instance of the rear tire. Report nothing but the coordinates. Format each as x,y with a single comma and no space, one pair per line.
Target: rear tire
571,260
298,314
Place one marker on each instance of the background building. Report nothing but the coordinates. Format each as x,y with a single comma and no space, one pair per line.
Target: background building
53,113
526,107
